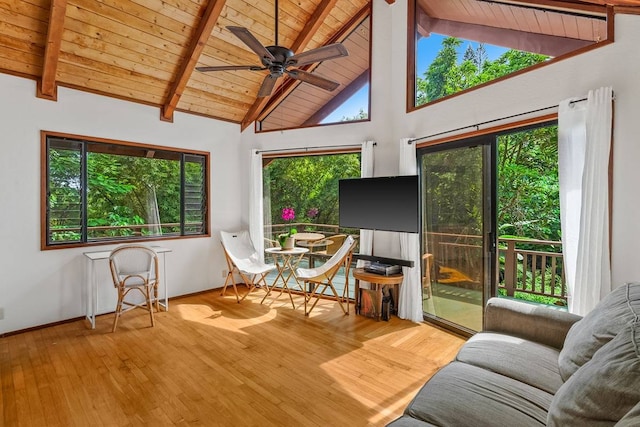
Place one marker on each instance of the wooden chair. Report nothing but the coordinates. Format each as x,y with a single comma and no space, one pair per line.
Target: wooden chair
242,258
317,280
427,262
134,267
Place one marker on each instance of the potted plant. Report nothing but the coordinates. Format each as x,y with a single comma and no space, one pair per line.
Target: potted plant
286,240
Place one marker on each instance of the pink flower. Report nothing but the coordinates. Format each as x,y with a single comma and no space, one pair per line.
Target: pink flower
288,214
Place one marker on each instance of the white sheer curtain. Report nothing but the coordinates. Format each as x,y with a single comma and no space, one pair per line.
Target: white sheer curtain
410,304
366,171
256,221
584,144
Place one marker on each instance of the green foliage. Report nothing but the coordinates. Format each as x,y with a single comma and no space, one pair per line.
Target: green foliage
306,183
529,192
362,115
447,75
123,192
450,205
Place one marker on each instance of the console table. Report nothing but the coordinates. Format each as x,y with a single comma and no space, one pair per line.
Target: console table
377,281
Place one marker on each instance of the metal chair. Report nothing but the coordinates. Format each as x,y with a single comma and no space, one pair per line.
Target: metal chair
321,278
134,267
242,258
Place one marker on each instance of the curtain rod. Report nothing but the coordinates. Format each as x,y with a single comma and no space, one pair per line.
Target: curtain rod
477,125
282,150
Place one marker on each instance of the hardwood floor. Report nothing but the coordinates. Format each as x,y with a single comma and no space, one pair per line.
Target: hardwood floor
212,362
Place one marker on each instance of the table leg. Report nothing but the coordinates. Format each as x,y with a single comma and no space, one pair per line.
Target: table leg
357,297
166,282
92,296
379,301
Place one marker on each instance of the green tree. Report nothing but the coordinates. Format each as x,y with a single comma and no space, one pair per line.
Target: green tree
434,85
361,115
447,74
308,183
529,201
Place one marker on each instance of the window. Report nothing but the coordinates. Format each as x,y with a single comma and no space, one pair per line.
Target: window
309,185
461,45
107,191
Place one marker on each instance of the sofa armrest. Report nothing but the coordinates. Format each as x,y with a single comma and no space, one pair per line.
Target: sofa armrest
533,322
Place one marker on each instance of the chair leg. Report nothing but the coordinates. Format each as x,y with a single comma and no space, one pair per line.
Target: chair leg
118,310
149,304
155,296
249,283
335,293
233,282
315,293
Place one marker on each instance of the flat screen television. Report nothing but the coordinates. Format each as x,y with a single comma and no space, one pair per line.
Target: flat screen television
389,203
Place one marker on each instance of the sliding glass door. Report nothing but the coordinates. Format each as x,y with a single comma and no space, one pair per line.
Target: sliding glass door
458,231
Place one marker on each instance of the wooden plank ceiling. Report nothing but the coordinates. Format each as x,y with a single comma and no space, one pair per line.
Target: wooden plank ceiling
146,50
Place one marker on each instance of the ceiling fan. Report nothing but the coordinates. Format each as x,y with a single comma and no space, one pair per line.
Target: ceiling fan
278,60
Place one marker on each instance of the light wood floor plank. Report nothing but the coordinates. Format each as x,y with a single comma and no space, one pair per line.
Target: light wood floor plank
212,362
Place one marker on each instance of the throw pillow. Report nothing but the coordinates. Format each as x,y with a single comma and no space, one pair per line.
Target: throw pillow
605,389
599,327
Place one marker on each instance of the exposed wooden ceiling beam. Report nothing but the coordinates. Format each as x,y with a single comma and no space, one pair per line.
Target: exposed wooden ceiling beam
290,84
311,27
529,42
614,2
47,87
190,59
339,99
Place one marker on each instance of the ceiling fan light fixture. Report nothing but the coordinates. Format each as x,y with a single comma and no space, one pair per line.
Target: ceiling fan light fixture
277,59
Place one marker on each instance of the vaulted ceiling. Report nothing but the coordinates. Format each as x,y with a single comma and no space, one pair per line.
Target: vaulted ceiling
146,51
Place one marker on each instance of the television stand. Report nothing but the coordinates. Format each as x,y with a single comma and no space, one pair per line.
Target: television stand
377,281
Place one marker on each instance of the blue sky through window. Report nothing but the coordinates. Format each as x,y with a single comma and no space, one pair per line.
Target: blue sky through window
427,49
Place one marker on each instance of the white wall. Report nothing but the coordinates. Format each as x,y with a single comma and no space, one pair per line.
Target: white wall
39,287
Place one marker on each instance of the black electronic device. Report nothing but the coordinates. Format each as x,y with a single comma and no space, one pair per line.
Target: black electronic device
380,203
382,269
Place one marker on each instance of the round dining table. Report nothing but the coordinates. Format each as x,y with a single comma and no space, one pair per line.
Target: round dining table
308,237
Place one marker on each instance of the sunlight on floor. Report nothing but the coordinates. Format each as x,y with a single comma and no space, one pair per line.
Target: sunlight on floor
205,315
456,304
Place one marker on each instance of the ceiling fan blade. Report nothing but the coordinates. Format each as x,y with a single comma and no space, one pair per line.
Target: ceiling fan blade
320,54
267,86
253,43
231,68
314,79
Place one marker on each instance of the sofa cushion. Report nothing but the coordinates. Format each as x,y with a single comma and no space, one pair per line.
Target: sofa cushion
631,418
464,395
598,327
523,360
605,388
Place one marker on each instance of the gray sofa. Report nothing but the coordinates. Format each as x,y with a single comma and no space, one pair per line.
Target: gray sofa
534,366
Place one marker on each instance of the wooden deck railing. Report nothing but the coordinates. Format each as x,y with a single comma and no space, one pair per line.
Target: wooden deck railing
537,272
529,266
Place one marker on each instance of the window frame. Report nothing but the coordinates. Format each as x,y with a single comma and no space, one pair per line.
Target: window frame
411,59
84,140
270,156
